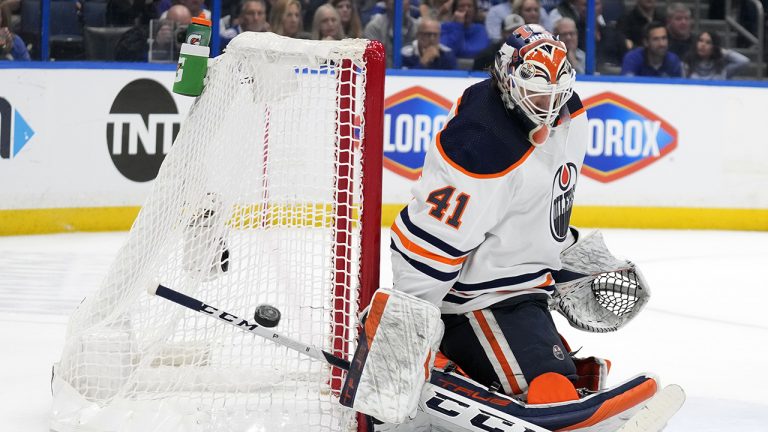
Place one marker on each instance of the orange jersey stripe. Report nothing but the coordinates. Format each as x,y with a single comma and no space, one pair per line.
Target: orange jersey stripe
547,282
578,112
497,351
618,404
420,251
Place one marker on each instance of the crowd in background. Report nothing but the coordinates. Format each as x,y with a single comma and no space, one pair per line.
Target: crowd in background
631,37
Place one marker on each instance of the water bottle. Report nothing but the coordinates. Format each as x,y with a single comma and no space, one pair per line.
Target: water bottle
193,58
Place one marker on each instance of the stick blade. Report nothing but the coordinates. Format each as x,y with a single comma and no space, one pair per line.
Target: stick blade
657,411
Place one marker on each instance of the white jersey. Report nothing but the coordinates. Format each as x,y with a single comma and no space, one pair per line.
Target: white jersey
490,213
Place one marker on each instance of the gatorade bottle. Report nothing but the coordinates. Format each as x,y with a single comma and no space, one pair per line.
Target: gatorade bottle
193,58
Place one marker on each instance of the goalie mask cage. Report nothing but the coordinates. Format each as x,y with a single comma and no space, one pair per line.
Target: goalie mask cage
271,194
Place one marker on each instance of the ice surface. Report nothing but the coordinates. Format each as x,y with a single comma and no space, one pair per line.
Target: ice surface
706,327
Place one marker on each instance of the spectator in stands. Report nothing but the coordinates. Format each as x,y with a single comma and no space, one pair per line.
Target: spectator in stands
380,28
530,10
610,44
613,10
286,19
708,60
566,29
11,45
633,23
486,58
436,9
679,28
577,11
462,34
350,18
327,24
426,52
163,43
133,45
496,14
654,58
483,6
573,9
196,7
251,17
11,7
380,7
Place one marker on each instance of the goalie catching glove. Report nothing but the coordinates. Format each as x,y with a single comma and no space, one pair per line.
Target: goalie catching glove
394,357
595,291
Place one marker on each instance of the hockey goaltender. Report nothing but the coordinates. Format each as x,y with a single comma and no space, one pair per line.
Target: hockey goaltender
465,340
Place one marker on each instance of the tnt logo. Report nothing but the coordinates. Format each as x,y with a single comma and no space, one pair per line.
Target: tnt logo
14,131
412,117
143,123
624,137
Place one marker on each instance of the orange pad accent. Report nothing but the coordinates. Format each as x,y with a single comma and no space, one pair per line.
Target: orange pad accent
551,387
441,361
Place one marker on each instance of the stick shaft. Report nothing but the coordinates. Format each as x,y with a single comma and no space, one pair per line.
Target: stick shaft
251,327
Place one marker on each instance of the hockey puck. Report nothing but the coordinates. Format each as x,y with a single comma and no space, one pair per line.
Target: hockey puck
266,315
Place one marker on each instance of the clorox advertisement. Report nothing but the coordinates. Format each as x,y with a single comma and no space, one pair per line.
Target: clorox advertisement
624,137
648,144
412,117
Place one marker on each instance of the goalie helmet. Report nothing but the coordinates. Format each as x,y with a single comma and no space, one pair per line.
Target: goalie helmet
534,77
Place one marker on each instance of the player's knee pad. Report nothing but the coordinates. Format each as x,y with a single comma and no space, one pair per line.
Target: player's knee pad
551,387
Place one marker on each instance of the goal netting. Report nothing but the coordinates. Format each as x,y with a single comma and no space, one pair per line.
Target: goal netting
270,194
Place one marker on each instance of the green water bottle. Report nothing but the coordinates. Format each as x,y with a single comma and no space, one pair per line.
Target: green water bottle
193,58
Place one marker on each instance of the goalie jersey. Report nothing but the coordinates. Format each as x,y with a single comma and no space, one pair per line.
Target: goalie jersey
490,213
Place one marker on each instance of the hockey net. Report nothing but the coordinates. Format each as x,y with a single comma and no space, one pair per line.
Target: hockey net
270,194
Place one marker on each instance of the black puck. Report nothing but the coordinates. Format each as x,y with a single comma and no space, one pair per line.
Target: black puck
266,315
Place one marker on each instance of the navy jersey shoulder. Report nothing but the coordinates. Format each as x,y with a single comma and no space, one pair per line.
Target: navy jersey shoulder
573,108
482,138
574,104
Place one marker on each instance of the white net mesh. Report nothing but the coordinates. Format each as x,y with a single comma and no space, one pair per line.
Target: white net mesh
259,201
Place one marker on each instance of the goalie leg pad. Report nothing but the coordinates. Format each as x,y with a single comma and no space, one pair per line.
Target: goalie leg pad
394,356
606,410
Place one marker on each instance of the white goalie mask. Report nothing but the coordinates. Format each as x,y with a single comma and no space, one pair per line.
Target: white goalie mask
534,74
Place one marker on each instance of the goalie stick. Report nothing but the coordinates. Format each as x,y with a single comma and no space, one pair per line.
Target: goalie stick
452,408
251,327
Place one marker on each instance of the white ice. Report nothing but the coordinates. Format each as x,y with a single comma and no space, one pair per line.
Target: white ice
706,327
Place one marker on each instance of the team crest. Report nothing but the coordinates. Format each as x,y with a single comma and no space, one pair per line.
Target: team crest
558,352
563,189
527,71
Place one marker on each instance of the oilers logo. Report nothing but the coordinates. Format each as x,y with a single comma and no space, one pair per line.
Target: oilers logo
624,137
14,130
412,118
563,189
